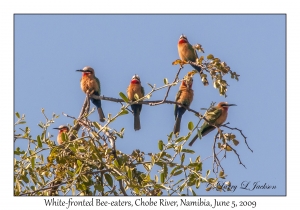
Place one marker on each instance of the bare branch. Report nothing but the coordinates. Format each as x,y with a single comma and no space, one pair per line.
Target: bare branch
215,157
236,154
147,102
241,132
167,93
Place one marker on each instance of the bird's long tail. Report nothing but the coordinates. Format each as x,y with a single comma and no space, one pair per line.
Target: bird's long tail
136,108
137,123
101,114
177,124
193,140
97,103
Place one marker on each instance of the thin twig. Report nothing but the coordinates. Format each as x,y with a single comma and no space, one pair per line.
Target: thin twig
216,159
43,189
77,126
241,132
112,141
236,154
147,103
167,93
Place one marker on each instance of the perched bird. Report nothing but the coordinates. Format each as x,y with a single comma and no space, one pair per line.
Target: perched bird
62,129
185,97
135,87
216,116
90,84
188,53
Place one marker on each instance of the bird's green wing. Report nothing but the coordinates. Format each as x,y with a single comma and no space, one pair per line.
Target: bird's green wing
195,55
213,114
143,91
178,95
98,81
176,99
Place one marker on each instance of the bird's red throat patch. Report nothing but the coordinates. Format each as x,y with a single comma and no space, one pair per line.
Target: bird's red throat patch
181,41
86,74
135,81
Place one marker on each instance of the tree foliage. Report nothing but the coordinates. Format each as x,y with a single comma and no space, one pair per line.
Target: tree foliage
89,162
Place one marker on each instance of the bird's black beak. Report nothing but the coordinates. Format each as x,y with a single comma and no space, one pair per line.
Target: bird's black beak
231,105
84,70
56,128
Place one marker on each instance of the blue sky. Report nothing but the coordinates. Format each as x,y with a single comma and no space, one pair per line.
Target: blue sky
49,48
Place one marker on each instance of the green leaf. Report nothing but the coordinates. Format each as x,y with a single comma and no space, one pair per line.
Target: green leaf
182,158
97,125
166,81
79,163
116,163
211,180
177,172
179,148
120,177
129,173
99,187
136,190
70,173
190,125
182,187
228,148
162,177
72,148
235,142
188,151
178,61
63,137
161,186
208,189
228,183
33,162
147,166
198,167
174,169
38,138
165,170
193,164
136,96
25,179
17,114
82,187
156,178
18,186
123,112
123,97
198,183
207,172
210,57
108,179
160,145
159,164
182,138
84,178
